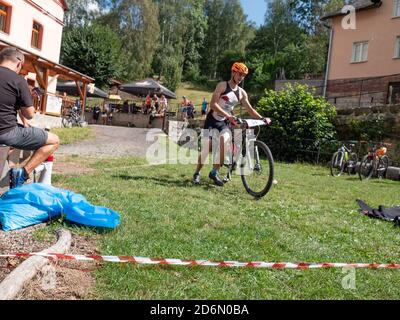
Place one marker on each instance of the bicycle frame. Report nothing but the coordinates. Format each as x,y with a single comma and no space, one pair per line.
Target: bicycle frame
243,149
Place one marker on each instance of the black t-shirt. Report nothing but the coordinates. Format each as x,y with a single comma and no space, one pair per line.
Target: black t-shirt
14,94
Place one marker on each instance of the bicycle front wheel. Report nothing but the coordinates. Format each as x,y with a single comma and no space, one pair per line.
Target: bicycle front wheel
366,168
66,122
257,169
337,164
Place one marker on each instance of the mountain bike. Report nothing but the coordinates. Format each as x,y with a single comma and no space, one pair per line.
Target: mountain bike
250,158
71,119
374,163
343,160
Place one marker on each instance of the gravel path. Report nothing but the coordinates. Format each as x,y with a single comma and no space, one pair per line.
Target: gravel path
113,142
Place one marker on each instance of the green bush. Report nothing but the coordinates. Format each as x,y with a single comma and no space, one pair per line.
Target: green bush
301,122
370,129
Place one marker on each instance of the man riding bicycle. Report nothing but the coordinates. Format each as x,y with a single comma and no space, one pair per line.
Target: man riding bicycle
226,97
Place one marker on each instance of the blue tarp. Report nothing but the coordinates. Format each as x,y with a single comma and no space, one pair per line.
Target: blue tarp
37,203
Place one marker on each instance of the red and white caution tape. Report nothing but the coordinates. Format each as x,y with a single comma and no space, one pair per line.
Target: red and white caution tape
203,263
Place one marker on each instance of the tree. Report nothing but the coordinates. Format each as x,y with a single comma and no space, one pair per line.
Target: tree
81,12
228,30
93,50
136,22
308,13
279,30
182,24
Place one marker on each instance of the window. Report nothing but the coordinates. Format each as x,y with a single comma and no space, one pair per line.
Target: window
5,15
37,33
360,52
397,48
396,8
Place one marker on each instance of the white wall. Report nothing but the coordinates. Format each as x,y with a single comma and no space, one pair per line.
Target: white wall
22,18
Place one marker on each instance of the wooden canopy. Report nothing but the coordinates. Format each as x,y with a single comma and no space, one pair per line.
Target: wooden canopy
44,69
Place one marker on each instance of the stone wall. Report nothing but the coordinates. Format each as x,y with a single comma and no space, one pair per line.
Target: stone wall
389,113
363,92
43,121
391,125
138,120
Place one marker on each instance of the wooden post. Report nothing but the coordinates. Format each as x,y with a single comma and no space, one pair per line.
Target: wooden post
84,100
46,74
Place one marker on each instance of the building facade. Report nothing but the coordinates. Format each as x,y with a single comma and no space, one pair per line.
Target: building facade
364,59
36,28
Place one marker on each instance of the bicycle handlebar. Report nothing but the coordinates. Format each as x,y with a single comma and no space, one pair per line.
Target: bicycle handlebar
250,122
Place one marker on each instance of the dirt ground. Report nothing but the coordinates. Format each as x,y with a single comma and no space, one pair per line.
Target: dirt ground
65,280
60,280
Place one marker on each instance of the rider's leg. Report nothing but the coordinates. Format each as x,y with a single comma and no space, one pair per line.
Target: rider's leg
224,144
43,152
223,141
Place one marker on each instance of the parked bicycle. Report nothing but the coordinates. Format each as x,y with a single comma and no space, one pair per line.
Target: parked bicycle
375,163
344,160
252,160
71,119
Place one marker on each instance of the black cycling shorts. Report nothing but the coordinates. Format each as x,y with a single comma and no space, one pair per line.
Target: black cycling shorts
212,123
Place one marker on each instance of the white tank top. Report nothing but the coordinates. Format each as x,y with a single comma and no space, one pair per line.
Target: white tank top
228,101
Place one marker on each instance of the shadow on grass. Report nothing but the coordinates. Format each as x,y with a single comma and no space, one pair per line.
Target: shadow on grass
183,183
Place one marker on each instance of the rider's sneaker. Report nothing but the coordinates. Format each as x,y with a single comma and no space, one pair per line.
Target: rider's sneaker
217,180
17,177
196,178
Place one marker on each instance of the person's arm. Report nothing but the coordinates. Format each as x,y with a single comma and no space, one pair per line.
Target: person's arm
219,90
24,120
25,102
253,112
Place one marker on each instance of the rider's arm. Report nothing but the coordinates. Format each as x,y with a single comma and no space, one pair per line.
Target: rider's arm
253,112
219,90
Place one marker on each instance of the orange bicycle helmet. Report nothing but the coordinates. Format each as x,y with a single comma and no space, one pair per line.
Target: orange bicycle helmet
240,67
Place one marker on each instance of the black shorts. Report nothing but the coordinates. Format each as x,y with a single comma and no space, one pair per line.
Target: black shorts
212,123
30,138
203,112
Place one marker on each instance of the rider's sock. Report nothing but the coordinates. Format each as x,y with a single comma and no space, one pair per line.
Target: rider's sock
197,173
214,172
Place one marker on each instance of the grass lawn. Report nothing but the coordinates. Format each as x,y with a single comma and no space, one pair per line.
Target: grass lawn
72,135
308,216
193,93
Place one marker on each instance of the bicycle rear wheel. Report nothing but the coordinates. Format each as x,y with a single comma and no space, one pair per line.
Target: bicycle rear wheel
383,164
337,163
366,168
351,164
257,169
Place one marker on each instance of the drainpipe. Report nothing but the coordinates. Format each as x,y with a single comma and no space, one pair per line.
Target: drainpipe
329,58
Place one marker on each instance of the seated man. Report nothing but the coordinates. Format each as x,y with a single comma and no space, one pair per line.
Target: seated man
154,114
15,97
